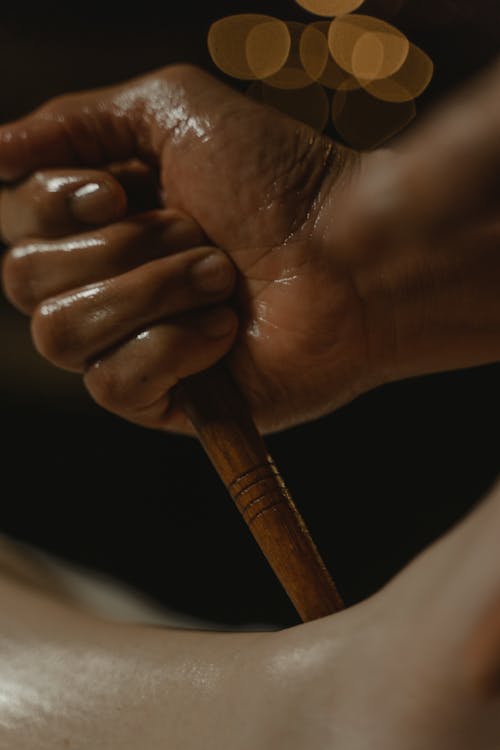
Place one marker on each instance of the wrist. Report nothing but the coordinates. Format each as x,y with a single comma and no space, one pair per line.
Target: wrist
428,306
432,308
342,233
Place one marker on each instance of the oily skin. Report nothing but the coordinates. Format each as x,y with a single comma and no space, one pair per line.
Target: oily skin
400,671
320,306
215,148
408,642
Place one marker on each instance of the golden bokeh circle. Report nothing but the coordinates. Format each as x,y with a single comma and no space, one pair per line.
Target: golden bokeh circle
368,56
375,71
314,52
408,83
227,45
317,60
330,8
358,40
267,47
292,75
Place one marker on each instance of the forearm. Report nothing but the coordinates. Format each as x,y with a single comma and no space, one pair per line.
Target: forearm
433,309
67,677
429,292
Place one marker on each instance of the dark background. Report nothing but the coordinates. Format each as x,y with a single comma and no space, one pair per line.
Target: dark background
376,482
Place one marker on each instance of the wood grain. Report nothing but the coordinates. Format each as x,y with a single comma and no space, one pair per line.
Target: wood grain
226,429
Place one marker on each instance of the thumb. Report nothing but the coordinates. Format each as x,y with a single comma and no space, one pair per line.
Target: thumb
64,132
101,126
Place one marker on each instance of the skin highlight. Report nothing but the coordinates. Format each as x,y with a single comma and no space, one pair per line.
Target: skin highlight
392,672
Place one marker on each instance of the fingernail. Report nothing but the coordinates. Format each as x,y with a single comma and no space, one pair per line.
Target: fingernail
213,273
94,203
218,323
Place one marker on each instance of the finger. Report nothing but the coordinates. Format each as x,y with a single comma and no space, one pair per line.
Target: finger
439,178
59,202
146,118
135,380
182,120
74,328
39,269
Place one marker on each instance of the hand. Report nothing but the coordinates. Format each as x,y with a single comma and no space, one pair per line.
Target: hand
415,666
330,302
253,180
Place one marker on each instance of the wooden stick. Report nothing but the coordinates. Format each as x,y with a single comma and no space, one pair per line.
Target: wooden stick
226,429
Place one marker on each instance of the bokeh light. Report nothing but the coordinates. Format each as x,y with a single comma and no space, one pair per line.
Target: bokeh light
368,56
408,83
292,75
268,43
375,47
314,52
373,69
268,47
317,60
330,7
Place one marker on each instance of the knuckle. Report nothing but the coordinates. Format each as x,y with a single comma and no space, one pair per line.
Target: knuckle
188,232
48,203
184,71
19,278
55,105
106,385
54,335
115,388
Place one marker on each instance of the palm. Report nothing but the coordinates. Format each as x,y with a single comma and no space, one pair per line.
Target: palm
255,181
